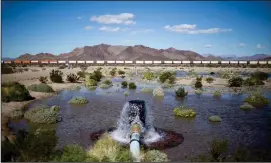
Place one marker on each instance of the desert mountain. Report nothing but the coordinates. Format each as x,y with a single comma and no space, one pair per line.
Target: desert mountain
112,52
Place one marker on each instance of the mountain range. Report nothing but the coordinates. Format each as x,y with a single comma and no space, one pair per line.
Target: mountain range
137,52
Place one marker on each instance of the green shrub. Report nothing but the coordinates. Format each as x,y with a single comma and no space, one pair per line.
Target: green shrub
81,74
148,75
43,114
121,72
251,81
146,90
96,75
155,156
78,100
62,67
198,84
113,72
167,75
56,76
40,88
107,82
158,92
72,78
108,150
246,106
256,99
209,80
16,113
6,69
235,82
14,91
132,85
212,73
218,147
217,94
214,118
43,79
105,86
72,153
260,75
183,111
126,93
181,92
224,75
124,84
90,82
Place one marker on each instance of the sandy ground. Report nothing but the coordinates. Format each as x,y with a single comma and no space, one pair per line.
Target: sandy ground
30,77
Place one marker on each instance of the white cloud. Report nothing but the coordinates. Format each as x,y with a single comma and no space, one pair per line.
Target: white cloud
87,28
241,44
123,18
109,29
259,46
142,31
79,17
208,46
191,29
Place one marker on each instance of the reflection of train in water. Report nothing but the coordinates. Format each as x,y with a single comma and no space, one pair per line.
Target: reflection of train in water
33,62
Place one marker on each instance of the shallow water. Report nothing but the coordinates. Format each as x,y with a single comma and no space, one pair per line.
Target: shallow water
250,128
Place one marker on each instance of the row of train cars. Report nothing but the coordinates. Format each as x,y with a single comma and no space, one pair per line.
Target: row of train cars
131,62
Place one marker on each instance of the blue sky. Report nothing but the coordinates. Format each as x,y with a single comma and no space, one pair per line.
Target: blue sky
220,28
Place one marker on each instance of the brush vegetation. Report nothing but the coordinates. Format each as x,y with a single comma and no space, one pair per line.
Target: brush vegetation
158,92
180,92
14,91
184,111
40,88
78,100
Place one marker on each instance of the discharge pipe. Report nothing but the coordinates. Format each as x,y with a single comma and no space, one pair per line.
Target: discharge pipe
135,142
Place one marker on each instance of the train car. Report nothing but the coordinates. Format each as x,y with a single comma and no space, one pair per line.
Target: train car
139,62
26,61
262,62
225,62
157,62
186,62
253,62
177,62
168,62
269,62
44,61
72,62
110,62
148,62
17,61
81,62
214,62
129,62
197,62
233,62
206,62
119,62
8,61
100,62
34,61
61,62
89,61
53,61
242,62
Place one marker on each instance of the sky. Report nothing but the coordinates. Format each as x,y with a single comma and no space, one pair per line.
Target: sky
218,28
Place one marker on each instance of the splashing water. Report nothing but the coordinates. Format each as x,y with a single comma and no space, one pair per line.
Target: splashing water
135,112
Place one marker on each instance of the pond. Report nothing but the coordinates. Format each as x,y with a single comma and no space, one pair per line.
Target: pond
250,128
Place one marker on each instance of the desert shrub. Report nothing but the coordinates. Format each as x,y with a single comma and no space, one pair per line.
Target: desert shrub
132,85
124,84
184,111
158,92
198,84
91,83
56,76
40,88
107,82
19,70
126,93
81,74
83,68
78,100
43,114
218,147
6,69
214,118
155,156
24,65
212,73
26,69
72,153
256,99
148,75
209,80
72,78
96,75
167,75
251,81
260,75
43,79
235,82
217,94
146,90
62,67
113,72
108,150
224,75
35,70
14,91
105,86
180,92
121,72
16,113
246,106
